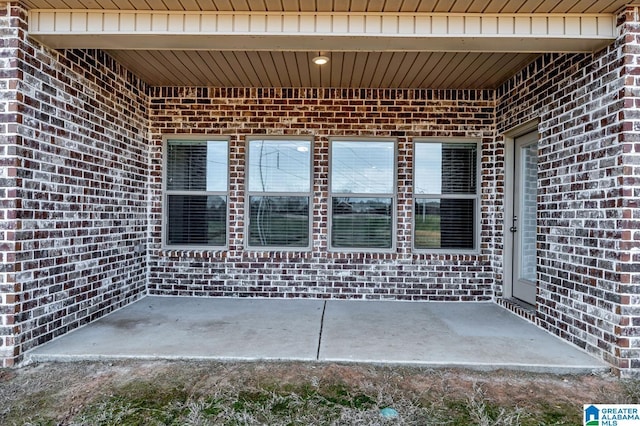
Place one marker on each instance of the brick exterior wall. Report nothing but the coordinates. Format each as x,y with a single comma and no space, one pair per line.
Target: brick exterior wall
588,236
74,197
81,191
628,266
404,114
12,26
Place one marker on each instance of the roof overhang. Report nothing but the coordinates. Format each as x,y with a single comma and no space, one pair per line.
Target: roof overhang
335,31
387,48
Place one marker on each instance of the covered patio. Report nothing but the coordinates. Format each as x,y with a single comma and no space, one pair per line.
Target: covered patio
468,335
367,181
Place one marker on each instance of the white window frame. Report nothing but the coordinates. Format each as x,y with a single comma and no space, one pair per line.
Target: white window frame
165,193
393,196
249,194
477,223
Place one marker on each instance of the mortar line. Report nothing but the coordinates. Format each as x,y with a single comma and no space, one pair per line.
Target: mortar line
324,309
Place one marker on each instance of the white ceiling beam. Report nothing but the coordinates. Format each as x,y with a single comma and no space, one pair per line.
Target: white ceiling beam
299,31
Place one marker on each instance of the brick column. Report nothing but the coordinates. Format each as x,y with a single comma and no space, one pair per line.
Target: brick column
628,265
12,24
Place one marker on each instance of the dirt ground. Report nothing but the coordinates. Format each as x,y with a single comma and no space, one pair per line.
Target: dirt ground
61,391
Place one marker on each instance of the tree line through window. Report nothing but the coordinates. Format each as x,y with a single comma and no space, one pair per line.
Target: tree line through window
363,194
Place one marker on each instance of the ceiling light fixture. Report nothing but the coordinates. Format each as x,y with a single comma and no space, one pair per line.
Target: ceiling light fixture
320,60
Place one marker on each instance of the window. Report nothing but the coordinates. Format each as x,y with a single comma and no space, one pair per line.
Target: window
362,194
279,192
195,212
445,195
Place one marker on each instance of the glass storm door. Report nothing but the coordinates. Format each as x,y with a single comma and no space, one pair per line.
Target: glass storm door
525,217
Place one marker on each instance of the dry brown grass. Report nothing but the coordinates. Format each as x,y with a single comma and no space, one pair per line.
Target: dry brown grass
281,393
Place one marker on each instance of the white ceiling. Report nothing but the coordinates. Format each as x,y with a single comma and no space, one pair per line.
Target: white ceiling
292,67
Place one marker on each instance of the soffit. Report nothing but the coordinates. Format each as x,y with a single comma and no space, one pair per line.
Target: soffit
180,56
411,6
445,70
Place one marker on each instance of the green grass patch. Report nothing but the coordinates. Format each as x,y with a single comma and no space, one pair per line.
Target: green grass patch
139,403
340,394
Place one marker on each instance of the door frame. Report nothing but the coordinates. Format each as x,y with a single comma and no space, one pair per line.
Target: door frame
509,138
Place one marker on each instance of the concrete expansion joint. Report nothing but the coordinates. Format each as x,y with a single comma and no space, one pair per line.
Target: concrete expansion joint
324,310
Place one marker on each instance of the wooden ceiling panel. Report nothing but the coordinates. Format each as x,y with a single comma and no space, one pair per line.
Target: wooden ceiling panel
260,6
193,66
405,62
429,71
452,6
274,71
280,63
483,75
476,6
383,72
304,70
509,64
376,5
444,6
559,6
359,65
507,6
444,69
413,68
206,5
436,70
459,69
218,62
219,5
337,71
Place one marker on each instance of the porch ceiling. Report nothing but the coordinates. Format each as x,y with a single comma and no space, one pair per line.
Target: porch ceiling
345,69
428,6
445,44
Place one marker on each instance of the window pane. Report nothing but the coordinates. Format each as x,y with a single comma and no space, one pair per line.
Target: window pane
279,221
197,220
444,223
362,167
445,168
528,229
197,165
361,222
279,165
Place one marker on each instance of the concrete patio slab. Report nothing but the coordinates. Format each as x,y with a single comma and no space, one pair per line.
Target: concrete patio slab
471,335
183,328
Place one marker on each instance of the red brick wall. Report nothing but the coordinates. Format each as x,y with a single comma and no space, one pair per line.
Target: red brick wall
13,23
405,114
81,212
587,192
78,226
628,180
